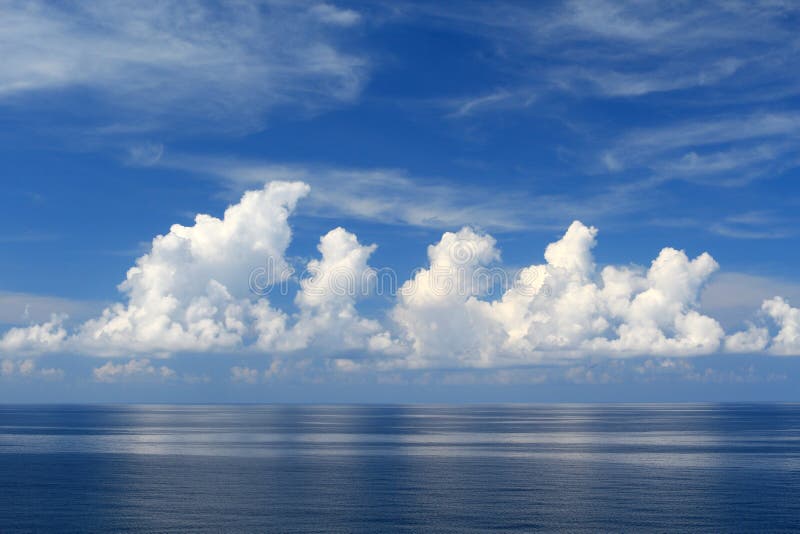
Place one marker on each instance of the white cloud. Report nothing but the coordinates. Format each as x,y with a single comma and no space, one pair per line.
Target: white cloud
394,197
728,150
192,293
145,154
135,369
328,317
438,313
274,369
500,99
776,331
334,15
206,63
563,308
391,196
52,373
47,336
346,365
755,225
244,374
754,339
583,374
787,318
27,368
732,297
736,57
25,308
629,49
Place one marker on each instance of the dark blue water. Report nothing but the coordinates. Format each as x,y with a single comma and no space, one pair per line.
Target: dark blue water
332,469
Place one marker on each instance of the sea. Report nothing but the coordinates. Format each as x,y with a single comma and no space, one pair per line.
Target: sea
400,468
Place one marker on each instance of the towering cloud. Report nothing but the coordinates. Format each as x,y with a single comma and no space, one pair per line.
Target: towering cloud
193,292
328,316
439,313
190,292
562,308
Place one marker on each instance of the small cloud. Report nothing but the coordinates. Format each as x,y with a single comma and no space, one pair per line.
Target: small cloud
189,378
27,237
500,99
273,370
133,369
53,374
145,154
753,225
244,374
166,372
611,162
335,16
27,368
346,365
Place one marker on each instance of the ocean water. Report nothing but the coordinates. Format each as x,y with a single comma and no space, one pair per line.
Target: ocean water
416,468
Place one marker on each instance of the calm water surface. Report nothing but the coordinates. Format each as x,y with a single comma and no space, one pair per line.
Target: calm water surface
517,468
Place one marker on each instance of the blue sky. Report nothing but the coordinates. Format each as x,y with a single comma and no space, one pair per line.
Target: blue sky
428,131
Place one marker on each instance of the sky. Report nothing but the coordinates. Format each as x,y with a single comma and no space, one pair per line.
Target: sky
399,202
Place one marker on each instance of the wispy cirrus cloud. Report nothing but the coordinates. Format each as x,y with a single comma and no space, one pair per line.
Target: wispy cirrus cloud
703,93
729,151
753,225
630,49
27,237
395,197
495,100
152,65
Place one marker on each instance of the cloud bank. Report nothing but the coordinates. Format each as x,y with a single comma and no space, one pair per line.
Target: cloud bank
193,293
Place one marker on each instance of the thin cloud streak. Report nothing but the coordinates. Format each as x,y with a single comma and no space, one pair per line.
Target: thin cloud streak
156,65
26,308
631,49
391,196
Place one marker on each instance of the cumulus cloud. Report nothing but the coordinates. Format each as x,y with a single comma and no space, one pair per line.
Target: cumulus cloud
754,339
438,311
193,292
133,369
787,318
244,374
27,368
276,370
562,308
778,316
328,315
189,293
47,336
